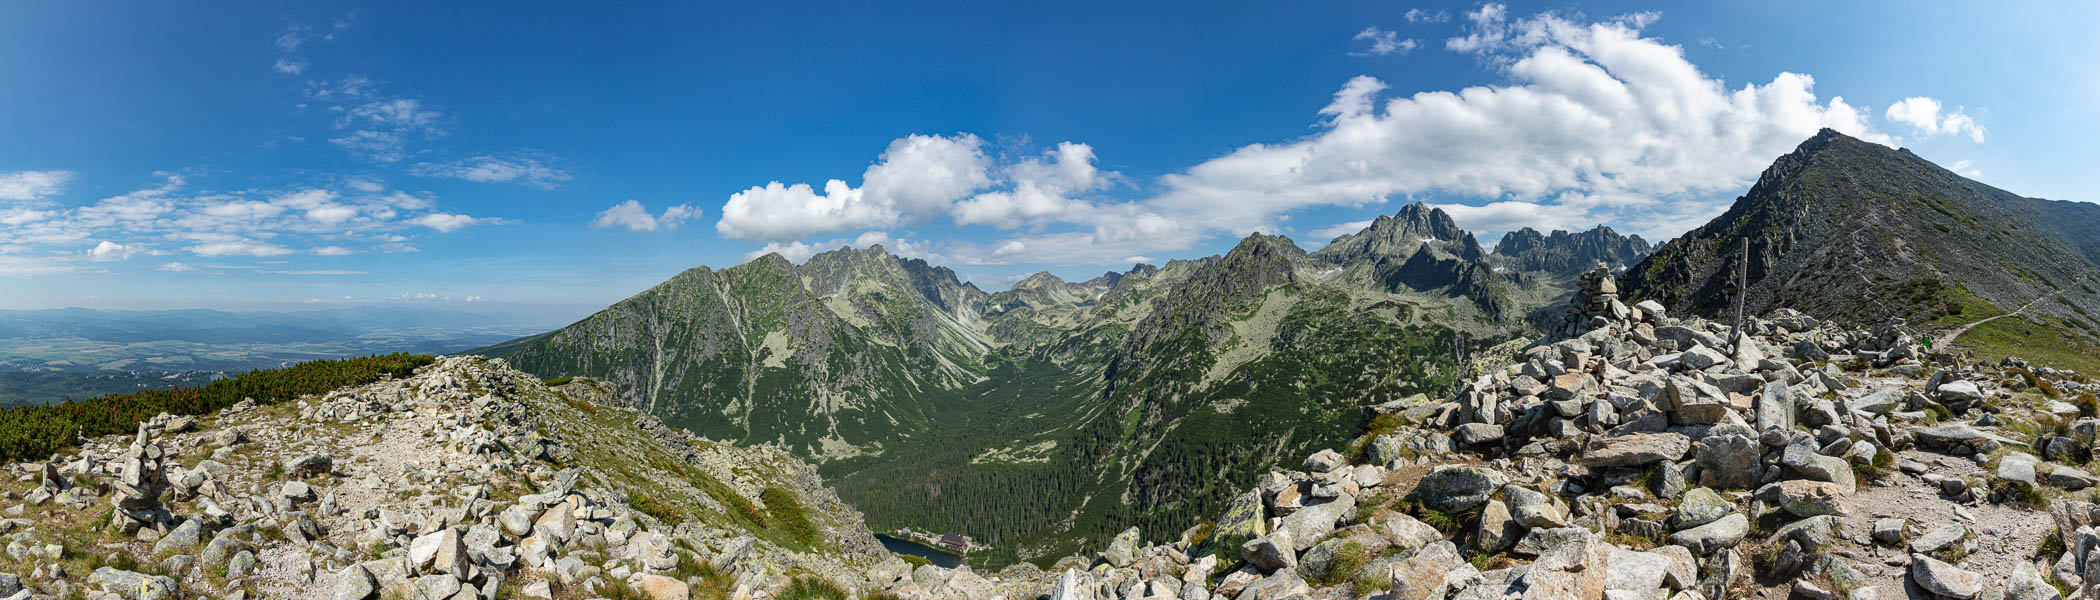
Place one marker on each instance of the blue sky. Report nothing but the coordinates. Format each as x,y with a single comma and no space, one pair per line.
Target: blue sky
548,159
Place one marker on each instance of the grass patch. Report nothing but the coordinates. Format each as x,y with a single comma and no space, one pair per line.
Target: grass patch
2040,343
1630,541
2042,385
690,566
1380,425
1875,468
581,406
1481,561
1370,582
558,381
1371,505
785,512
616,589
650,506
1446,523
2051,546
2022,495
1349,559
1935,413
813,588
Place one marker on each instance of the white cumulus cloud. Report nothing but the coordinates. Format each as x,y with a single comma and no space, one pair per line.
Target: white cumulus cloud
1042,189
632,216
107,251
1591,122
444,222
916,177
1623,121
1923,115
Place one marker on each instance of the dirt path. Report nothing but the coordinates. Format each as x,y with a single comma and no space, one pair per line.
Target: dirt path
2004,535
1951,335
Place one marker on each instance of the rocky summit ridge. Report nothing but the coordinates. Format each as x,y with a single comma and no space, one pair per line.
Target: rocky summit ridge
1863,233
1635,456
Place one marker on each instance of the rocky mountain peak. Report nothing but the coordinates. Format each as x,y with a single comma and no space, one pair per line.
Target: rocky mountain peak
1568,253
1393,236
1041,280
1857,230
770,261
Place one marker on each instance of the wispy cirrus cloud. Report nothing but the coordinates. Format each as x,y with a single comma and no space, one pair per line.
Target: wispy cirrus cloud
167,217
1383,43
31,186
1417,15
526,169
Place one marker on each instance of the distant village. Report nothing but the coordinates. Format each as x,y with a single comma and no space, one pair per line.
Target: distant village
959,544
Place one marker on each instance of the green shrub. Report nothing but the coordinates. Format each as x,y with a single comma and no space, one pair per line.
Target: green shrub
37,432
650,506
2088,406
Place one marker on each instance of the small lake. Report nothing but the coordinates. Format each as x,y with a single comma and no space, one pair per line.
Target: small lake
903,546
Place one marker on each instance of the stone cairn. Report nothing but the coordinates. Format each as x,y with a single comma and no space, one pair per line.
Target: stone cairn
139,486
1596,304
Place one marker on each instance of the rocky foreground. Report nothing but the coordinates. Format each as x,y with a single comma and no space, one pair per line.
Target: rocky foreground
1642,458
467,480
1651,458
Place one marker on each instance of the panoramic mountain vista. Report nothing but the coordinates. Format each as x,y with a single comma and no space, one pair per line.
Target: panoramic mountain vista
1355,300
1121,399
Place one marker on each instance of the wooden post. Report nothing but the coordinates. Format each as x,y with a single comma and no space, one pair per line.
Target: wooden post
1742,289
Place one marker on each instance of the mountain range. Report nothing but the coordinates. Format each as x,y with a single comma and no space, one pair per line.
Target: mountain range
1055,412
